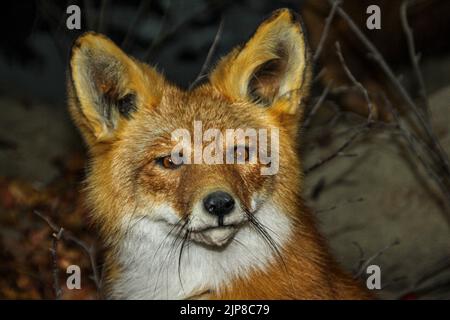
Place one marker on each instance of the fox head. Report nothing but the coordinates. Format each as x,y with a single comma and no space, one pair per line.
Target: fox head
127,112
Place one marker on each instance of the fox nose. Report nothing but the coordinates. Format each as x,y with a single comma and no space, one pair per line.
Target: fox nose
219,203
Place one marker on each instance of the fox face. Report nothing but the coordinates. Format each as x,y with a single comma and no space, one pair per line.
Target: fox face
146,199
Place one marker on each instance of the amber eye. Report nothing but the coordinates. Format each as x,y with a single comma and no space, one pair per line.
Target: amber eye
167,162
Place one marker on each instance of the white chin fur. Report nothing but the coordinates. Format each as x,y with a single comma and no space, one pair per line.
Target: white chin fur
157,266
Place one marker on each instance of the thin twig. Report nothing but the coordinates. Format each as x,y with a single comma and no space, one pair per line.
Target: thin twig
355,82
143,6
413,56
319,75
54,254
336,206
413,142
364,263
160,34
442,165
54,19
375,54
66,235
165,35
337,152
326,30
101,16
316,107
432,281
344,89
441,267
211,51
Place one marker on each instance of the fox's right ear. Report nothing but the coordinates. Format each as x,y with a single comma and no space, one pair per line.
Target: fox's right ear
272,69
106,87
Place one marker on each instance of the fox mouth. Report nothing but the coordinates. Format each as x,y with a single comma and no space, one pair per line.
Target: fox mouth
214,236
217,235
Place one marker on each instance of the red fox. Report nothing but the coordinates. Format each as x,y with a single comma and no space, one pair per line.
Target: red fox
188,231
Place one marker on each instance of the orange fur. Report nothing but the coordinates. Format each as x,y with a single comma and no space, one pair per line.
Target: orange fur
264,84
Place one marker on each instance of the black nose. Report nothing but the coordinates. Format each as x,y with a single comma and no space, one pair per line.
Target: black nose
218,203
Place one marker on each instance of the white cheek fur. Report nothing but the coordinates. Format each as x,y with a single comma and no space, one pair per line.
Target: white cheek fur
152,267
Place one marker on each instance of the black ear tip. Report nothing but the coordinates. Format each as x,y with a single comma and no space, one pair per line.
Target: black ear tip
295,17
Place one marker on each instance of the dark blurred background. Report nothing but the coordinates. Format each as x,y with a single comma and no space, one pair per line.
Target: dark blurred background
375,195
175,35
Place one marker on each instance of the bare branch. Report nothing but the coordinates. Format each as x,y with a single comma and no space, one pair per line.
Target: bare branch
53,17
326,30
143,6
319,75
160,33
442,166
364,263
101,16
441,267
316,107
209,56
338,152
169,32
66,235
332,208
355,82
54,254
413,56
378,58
414,143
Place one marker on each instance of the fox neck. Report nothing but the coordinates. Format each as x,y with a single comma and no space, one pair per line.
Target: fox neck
153,266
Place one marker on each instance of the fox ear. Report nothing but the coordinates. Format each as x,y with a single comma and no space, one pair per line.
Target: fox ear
272,68
106,87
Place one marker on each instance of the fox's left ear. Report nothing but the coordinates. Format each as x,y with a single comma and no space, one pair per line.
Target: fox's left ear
106,87
271,69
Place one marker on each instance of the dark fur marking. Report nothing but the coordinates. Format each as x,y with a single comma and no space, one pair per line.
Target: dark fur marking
127,105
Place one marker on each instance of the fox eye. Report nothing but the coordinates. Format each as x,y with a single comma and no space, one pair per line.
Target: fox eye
167,162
